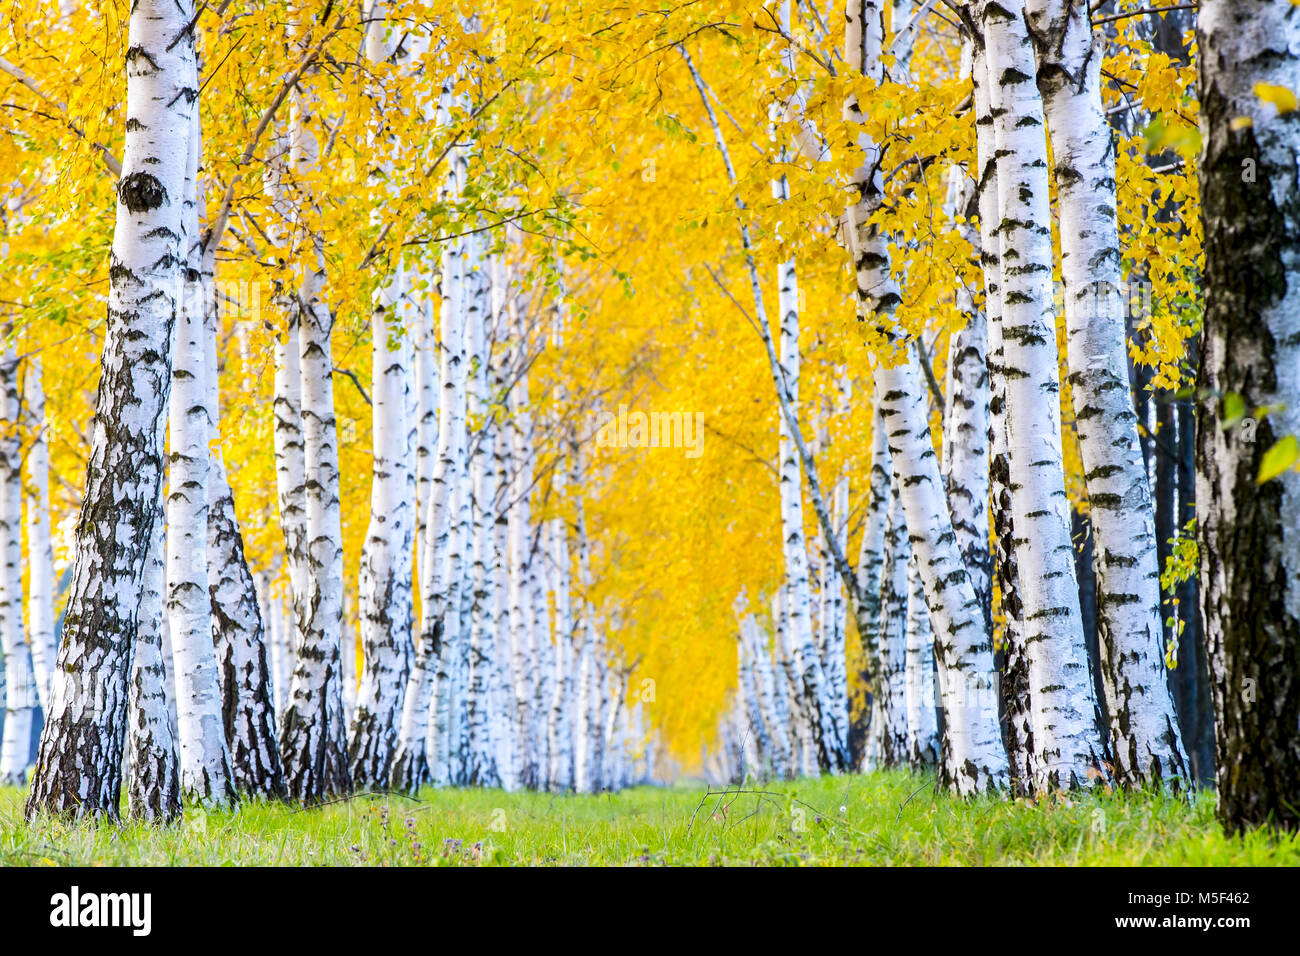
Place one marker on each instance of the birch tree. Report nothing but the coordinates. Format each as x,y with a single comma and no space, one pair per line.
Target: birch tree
79,765
40,549
153,764
1249,534
1145,740
19,677
313,743
385,577
206,775
1068,750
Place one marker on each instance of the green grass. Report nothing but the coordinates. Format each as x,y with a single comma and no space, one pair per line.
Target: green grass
883,818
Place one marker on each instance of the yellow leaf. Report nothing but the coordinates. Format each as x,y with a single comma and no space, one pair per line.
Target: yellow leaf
1240,122
1281,97
1278,459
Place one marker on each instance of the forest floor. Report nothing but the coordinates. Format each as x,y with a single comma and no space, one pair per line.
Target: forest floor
880,818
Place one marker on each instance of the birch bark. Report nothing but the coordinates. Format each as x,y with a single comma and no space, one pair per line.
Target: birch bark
1145,738
79,766
1250,535
40,550
1069,752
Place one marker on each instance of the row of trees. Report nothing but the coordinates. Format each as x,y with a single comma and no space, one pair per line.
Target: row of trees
482,661
498,266
1026,718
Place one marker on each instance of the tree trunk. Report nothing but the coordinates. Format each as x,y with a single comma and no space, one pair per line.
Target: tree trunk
923,744
891,690
238,626
40,550
1249,535
206,774
1145,742
313,739
1069,752
78,769
153,790
21,695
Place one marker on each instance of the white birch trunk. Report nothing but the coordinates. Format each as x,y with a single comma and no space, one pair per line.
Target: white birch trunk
21,695
79,766
1069,751
1145,739
206,774
153,765
313,742
891,689
40,549
238,625
923,745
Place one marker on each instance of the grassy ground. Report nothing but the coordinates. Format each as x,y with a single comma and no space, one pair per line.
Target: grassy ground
884,818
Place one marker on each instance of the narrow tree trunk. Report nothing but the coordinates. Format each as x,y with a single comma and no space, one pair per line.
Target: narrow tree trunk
891,690
923,744
40,550
79,766
313,744
1249,535
206,774
153,789
21,696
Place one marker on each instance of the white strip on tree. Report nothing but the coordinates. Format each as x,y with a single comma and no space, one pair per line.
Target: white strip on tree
525,661
1145,739
79,766
560,726
40,548
21,695
1069,751
481,768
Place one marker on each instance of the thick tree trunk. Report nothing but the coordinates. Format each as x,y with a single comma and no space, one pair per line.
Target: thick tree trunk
1250,535
79,766
1145,741
1069,751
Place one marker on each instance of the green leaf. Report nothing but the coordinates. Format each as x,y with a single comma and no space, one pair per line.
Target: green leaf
1278,459
1234,407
